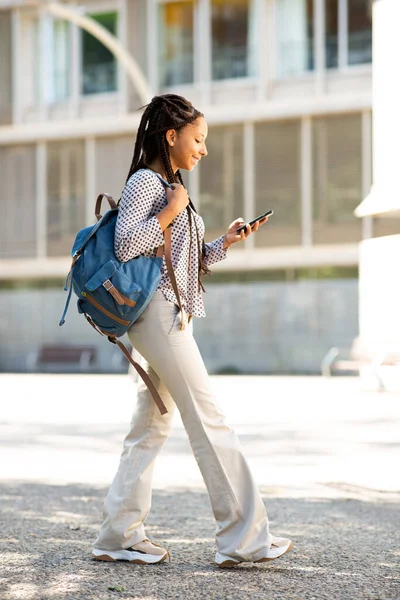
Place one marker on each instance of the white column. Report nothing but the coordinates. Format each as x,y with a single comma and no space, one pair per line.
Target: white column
249,170
386,97
306,181
263,43
17,110
75,70
90,163
319,46
366,156
152,45
122,82
269,45
41,199
194,187
203,50
45,62
343,33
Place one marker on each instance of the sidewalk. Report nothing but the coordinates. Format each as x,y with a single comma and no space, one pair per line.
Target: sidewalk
325,455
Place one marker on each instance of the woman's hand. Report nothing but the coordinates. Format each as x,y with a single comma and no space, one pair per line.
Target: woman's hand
177,198
231,237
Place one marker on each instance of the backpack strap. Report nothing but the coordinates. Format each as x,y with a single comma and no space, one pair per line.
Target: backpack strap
168,261
152,388
167,250
97,209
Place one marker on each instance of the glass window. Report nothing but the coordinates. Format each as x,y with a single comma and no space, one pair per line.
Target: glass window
221,179
337,178
175,57
99,67
331,34
61,54
233,25
5,68
113,160
278,182
295,37
65,194
18,203
360,31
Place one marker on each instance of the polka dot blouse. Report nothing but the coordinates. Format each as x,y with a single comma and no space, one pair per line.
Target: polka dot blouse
138,232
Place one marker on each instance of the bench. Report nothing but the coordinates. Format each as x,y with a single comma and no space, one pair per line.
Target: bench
57,355
358,356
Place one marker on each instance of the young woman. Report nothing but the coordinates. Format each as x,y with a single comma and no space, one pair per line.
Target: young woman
172,136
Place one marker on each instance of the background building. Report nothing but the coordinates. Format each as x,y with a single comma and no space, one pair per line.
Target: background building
286,87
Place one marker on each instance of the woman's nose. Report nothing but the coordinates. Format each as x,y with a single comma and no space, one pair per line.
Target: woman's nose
203,151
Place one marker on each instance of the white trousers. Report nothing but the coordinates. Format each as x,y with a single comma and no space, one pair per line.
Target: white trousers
173,361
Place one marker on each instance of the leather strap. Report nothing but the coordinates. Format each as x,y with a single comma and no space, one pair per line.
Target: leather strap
164,249
168,261
97,209
153,391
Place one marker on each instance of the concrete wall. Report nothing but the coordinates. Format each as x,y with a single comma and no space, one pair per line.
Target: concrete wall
273,327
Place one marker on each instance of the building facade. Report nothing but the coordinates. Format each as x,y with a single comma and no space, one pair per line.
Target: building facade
286,87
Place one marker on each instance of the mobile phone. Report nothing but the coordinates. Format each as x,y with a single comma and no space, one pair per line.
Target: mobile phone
266,214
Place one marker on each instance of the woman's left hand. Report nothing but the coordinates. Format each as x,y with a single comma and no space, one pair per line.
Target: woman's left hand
231,237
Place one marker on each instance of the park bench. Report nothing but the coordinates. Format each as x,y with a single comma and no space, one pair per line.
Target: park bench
57,355
358,356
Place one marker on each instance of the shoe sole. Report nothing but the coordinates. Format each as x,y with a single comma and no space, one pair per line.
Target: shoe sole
228,564
266,559
135,561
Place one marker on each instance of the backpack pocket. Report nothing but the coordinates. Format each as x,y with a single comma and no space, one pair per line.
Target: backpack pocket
114,290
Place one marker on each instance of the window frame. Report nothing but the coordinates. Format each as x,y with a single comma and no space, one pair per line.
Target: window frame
98,9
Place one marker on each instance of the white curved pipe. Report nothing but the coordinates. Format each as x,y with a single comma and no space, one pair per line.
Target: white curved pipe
110,41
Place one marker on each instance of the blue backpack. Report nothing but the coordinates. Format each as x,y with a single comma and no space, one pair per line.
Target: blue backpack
113,294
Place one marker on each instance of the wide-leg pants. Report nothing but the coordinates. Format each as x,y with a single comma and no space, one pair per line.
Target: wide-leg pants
173,361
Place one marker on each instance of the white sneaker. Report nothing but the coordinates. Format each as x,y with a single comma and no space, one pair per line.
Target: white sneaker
279,547
143,553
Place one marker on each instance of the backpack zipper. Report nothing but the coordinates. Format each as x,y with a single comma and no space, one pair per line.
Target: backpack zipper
104,310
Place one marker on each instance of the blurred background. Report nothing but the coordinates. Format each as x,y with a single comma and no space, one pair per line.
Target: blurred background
302,100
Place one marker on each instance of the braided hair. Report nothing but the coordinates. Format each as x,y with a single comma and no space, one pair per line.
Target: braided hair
165,112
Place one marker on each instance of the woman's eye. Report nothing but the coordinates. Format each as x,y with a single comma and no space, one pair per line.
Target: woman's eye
198,141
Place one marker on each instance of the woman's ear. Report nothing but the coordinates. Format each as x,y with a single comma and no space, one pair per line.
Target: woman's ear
171,137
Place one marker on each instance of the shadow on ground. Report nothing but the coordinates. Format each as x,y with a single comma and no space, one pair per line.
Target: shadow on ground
344,549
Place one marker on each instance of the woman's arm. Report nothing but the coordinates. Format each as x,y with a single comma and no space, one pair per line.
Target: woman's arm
214,251
136,231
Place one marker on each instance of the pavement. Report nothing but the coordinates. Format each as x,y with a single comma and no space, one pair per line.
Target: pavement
324,453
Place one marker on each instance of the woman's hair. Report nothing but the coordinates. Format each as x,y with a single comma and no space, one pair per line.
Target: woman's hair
165,112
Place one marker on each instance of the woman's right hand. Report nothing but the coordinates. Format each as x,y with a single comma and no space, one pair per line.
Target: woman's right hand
177,198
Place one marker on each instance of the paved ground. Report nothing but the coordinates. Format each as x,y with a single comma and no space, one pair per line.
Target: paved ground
325,454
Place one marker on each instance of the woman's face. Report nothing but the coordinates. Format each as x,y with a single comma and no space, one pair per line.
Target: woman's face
187,145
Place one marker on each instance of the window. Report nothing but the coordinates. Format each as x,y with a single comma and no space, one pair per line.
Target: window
233,25
61,58
331,34
99,67
360,31
65,194
175,58
278,182
17,201
337,178
113,160
295,37
5,68
222,179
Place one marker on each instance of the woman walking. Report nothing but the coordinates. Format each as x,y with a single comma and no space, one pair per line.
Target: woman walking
171,136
